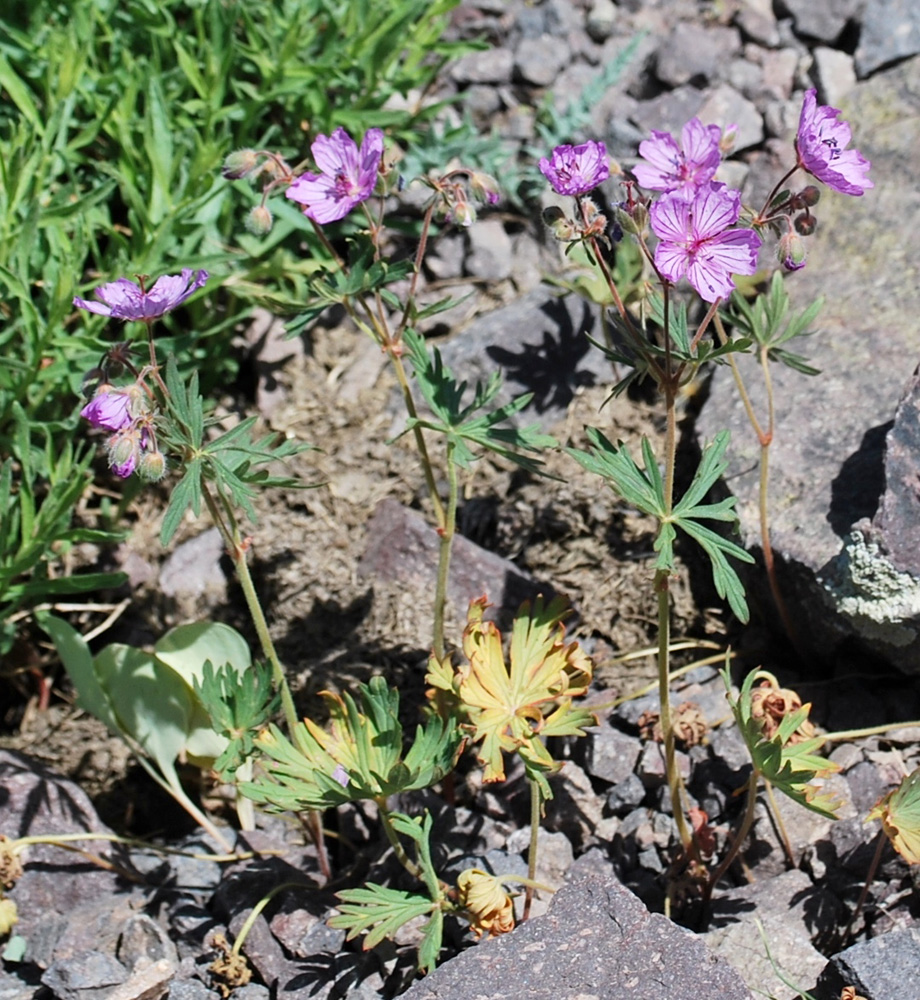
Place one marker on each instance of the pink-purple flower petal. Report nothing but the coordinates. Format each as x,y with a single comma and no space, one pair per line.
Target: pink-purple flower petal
127,300
576,170
821,142
695,240
684,168
348,175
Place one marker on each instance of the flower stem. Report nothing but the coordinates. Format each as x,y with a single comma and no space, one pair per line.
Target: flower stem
536,802
411,867
737,842
237,549
446,534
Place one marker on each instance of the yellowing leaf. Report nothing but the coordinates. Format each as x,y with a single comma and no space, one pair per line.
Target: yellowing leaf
507,706
899,812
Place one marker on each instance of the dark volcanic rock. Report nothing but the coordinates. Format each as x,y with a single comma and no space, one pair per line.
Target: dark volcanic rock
596,941
890,31
883,968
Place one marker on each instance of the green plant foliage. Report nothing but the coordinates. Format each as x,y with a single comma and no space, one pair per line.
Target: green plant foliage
766,321
644,489
233,462
239,706
791,767
359,757
149,699
381,911
116,116
37,497
463,426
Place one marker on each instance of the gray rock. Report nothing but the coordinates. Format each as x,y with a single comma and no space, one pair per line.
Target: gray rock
670,111
251,991
538,60
779,69
724,106
695,53
890,31
403,546
826,459
58,890
597,940
882,968
625,796
601,20
611,755
190,989
835,75
757,22
896,525
193,569
820,19
489,66
490,251
786,906
540,344
86,976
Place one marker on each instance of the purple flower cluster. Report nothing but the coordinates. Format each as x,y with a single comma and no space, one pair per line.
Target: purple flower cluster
125,412
695,216
348,175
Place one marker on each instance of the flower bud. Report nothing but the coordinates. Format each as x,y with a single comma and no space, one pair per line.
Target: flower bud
561,226
123,448
484,187
463,214
791,252
805,224
727,141
259,221
152,466
810,196
240,164
632,219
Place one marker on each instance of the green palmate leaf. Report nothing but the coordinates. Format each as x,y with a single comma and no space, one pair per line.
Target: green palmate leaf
239,706
418,830
792,767
464,425
360,756
644,489
767,322
378,911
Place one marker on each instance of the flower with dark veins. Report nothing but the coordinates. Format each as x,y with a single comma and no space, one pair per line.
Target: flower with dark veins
696,240
684,168
820,145
575,170
348,177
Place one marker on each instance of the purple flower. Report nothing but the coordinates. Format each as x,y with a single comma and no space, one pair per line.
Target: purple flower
348,177
821,143
683,168
697,243
123,299
575,170
110,409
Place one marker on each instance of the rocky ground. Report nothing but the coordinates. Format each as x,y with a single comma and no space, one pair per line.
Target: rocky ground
340,568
